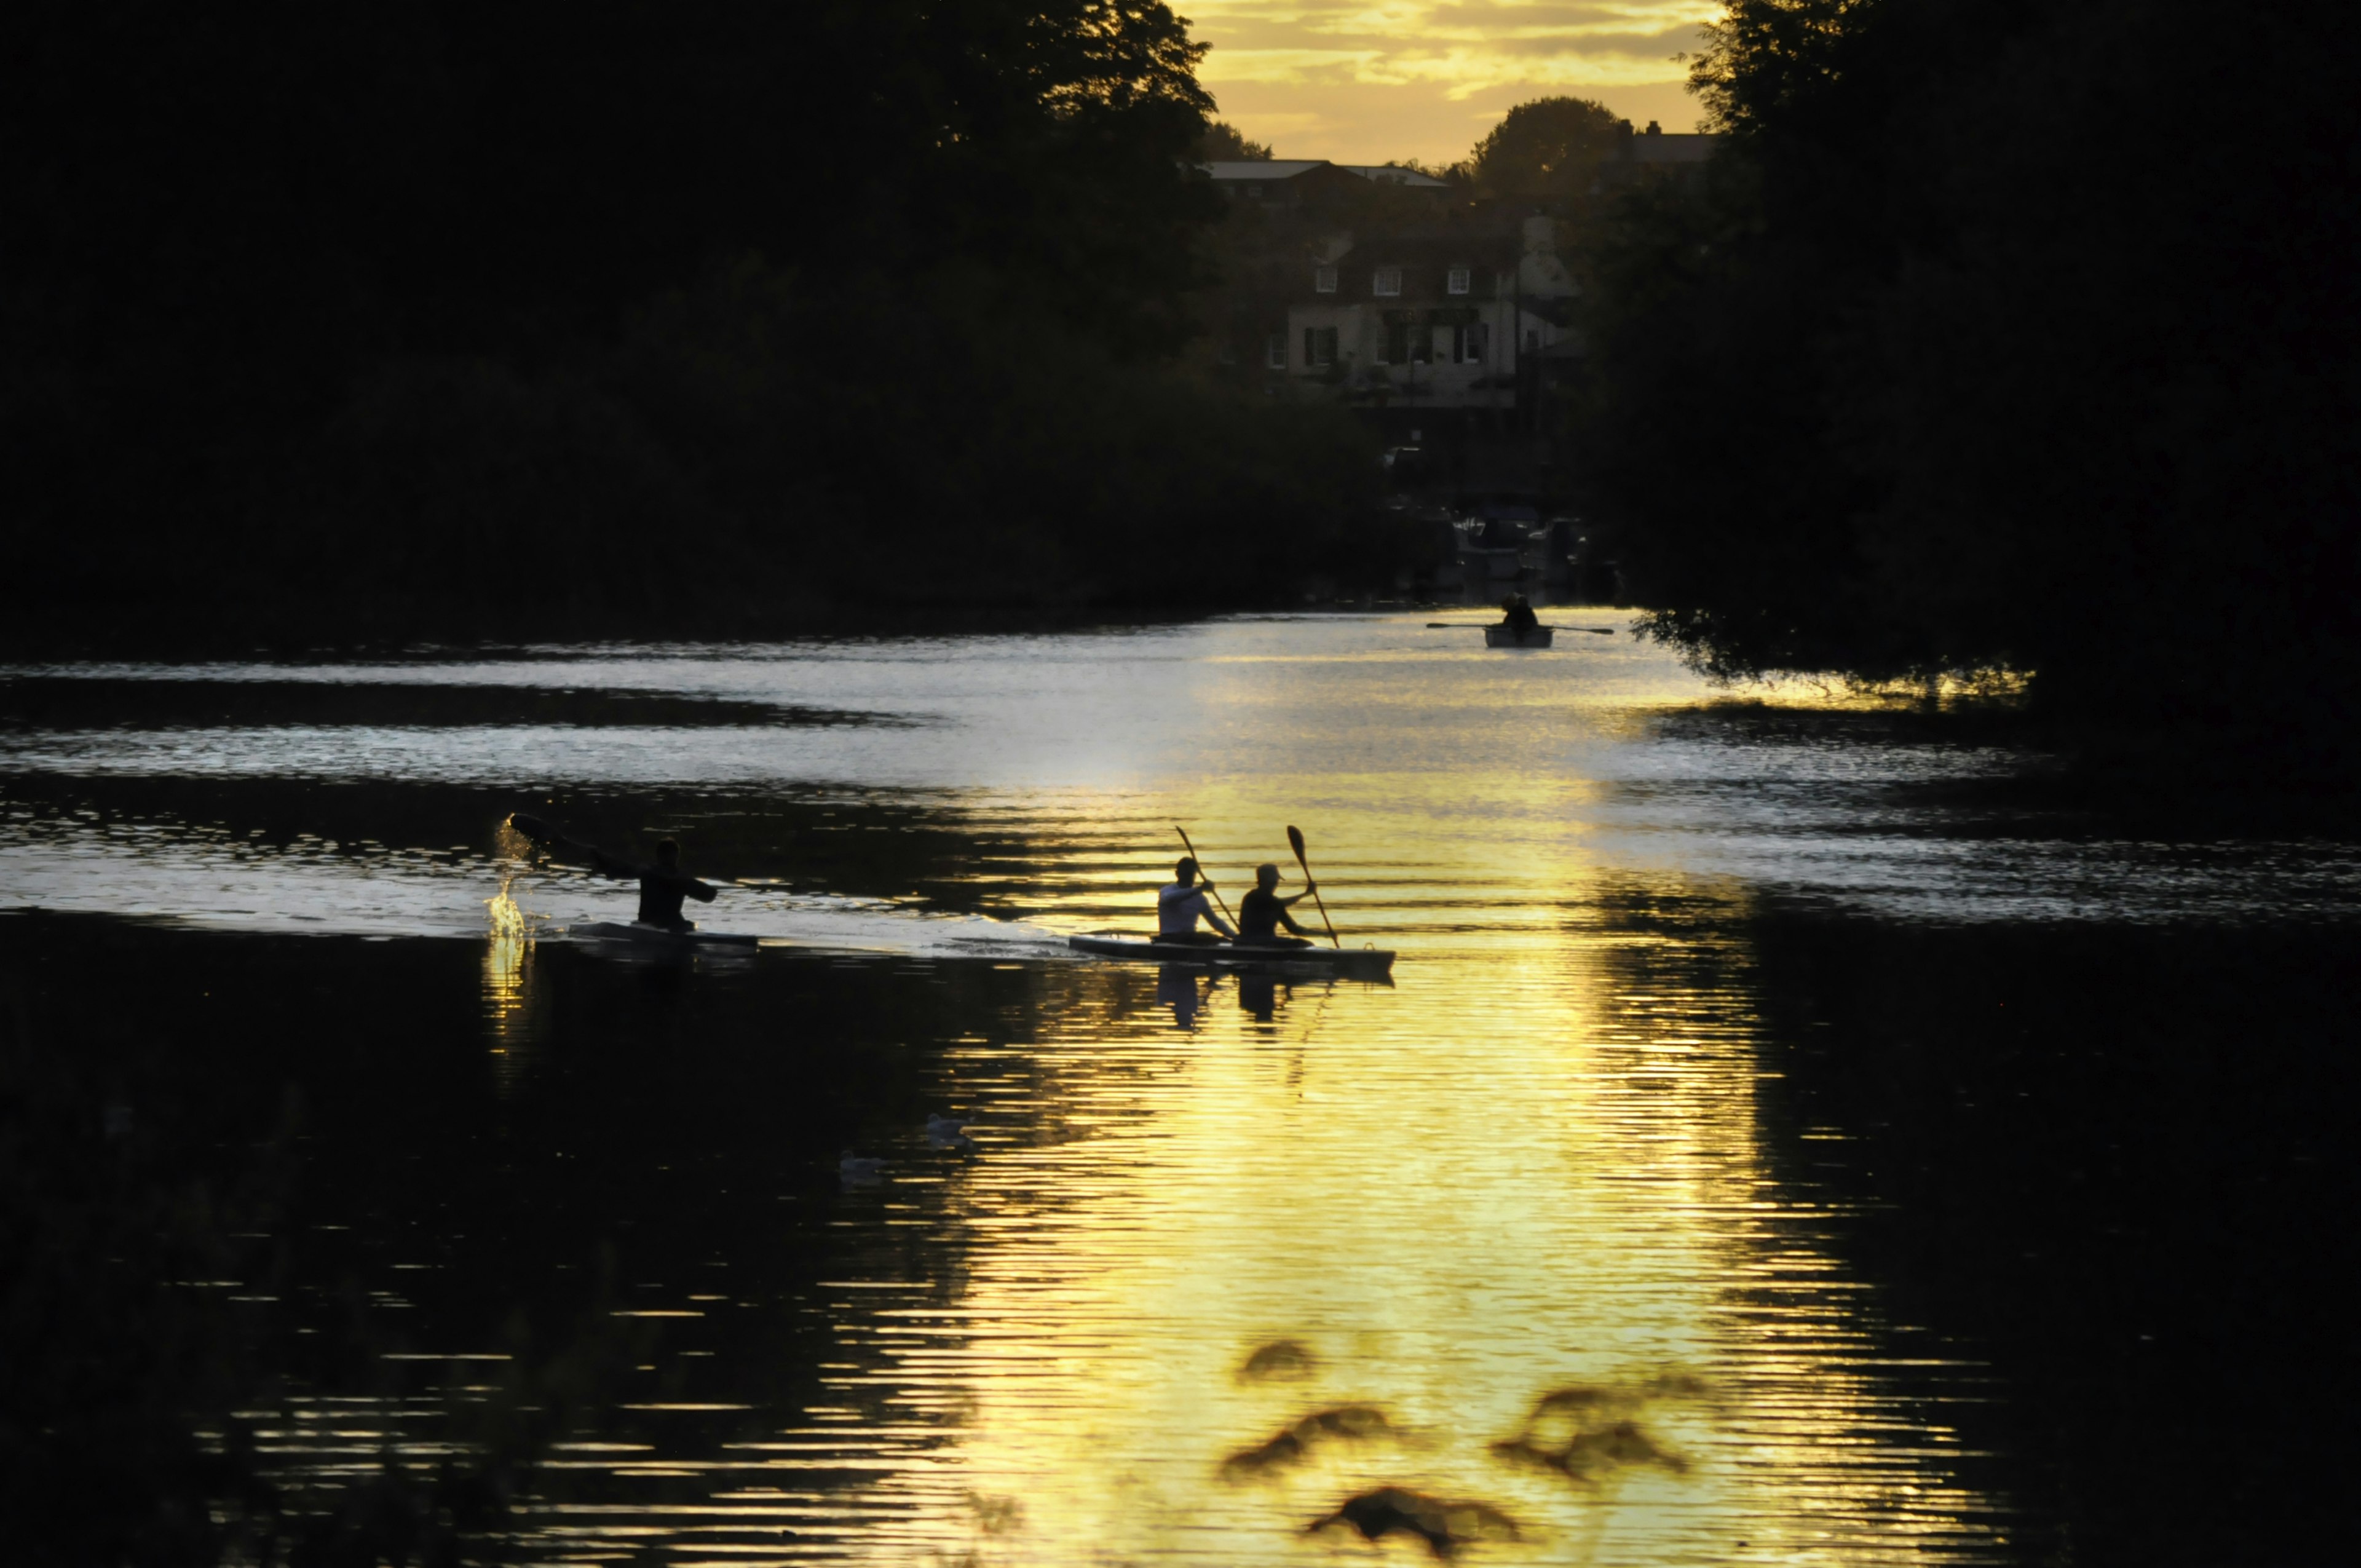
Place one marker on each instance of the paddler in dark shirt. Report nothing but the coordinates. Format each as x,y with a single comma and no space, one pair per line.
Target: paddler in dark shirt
662,885
1518,615
1262,912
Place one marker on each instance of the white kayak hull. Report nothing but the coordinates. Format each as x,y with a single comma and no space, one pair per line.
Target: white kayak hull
658,937
1358,960
1501,637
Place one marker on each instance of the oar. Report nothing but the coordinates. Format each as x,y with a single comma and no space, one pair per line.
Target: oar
1208,880
1295,842
547,837
543,835
1480,625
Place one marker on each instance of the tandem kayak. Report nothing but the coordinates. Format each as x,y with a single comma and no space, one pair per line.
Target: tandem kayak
1357,961
658,937
1504,636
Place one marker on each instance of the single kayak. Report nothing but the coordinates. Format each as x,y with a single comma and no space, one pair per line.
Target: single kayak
1359,961
1506,637
658,936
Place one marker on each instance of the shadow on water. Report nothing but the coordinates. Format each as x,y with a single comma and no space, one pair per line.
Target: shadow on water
2118,1162
336,1283
883,844
97,702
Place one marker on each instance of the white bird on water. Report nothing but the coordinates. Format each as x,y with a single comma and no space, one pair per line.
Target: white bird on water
948,1132
859,1166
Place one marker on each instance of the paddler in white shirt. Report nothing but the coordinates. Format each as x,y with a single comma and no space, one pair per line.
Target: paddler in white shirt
1179,905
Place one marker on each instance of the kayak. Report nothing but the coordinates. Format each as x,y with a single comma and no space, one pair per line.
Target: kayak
1364,960
1501,637
658,937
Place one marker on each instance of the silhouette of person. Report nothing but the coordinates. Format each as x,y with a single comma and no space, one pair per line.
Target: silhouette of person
1262,912
1518,615
1180,903
662,885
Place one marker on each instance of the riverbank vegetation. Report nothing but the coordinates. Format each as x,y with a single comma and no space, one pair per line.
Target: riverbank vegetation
585,321
2004,334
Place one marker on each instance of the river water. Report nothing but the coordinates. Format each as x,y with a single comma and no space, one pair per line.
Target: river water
1792,1133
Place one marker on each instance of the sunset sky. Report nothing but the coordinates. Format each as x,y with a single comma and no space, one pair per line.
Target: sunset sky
1369,81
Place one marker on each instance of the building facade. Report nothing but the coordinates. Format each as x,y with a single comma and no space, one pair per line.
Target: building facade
1450,321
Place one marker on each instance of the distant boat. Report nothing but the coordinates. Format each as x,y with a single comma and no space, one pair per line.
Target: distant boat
1508,637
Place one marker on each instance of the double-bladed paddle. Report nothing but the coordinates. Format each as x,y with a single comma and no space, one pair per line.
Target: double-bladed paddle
1295,842
541,832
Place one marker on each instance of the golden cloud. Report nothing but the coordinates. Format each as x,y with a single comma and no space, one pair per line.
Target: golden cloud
1424,70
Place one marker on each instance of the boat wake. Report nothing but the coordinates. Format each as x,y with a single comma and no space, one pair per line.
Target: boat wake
209,878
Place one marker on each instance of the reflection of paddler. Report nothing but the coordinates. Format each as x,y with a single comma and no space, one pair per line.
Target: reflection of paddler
1258,994
1176,987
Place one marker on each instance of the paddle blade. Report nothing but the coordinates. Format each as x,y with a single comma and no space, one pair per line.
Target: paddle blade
531,826
1295,842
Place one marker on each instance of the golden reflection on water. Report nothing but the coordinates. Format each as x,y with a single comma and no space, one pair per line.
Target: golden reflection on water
1497,1253
509,991
1506,1229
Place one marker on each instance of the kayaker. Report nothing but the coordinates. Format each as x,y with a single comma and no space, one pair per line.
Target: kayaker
1182,903
662,885
1262,912
1518,615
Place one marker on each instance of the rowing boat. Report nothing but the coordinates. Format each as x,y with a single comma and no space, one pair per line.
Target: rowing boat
1358,960
659,937
1508,637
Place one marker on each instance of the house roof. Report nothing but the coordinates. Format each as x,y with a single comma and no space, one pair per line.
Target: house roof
1275,169
1263,168
1394,174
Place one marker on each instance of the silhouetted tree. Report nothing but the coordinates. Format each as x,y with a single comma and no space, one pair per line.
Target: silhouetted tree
406,319
1224,142
1979,348
1546,147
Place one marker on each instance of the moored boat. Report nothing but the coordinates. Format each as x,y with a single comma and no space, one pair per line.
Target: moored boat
1354,960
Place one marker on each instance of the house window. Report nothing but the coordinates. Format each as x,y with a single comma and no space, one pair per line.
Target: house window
1396,344
1458,283
1468,343
1323,279
1319,347
1388,281
1274,352
1533,340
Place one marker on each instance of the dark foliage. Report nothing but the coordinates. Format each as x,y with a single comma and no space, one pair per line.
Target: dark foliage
1548,147
2006,332
1222,141
444,321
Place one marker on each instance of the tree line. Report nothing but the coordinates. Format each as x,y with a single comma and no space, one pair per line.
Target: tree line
446,321
2004,335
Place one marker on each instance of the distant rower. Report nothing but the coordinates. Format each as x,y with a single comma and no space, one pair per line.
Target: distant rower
1262,912
1516,615
1179,905
662,885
